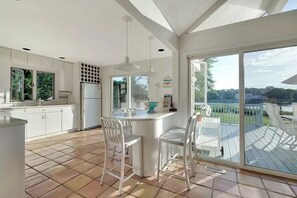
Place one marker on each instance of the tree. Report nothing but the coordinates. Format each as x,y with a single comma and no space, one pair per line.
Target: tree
200,78
45,86
210,64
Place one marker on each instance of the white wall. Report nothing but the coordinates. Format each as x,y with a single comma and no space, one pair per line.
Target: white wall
13,58
163,66
272,29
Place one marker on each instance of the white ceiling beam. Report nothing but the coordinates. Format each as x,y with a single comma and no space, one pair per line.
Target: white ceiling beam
168,38
204,16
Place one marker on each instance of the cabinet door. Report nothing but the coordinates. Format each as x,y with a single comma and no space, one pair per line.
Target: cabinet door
69,118
36,124
53,122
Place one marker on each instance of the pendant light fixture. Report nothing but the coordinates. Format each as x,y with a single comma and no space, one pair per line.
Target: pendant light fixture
151,71
127,66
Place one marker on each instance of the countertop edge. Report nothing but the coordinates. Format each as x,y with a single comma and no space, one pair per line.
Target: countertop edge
7,121
35,107
145,117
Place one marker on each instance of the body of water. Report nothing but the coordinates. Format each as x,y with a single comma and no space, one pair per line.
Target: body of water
287,108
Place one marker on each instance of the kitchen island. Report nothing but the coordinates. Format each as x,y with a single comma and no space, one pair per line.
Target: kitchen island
150,126
12,155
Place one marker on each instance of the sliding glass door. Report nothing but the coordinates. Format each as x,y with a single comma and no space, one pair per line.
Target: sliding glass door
215,96
270,110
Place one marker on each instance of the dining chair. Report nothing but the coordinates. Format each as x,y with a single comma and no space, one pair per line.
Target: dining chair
180,138
114,136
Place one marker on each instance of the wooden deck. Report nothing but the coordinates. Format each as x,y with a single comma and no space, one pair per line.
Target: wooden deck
268,150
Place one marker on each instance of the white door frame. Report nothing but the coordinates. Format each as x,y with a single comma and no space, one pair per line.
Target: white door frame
241,52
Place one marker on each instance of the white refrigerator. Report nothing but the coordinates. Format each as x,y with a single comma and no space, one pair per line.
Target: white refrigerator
90,105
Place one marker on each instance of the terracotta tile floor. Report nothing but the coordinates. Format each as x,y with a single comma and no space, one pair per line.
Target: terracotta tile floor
70,165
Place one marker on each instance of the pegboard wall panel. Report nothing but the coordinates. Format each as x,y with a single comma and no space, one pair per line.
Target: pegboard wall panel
89,73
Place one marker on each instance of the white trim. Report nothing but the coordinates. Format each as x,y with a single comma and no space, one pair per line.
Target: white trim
241,111
240,52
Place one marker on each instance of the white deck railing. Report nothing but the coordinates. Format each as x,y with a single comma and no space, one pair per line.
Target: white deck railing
229,113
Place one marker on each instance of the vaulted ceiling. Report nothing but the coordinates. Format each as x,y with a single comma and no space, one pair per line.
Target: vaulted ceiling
94,31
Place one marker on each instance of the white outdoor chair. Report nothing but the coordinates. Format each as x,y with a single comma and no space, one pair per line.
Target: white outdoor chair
180,138
273,111
114,136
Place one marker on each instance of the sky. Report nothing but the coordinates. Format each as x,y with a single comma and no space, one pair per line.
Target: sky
262,69
225,72
291,5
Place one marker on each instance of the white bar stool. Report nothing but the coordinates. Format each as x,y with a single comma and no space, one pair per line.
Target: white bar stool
115,137
180,138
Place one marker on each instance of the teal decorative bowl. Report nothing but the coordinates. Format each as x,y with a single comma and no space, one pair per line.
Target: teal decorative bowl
151,106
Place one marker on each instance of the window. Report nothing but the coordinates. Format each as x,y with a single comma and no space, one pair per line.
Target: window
270,89
139,91
129,92
21,84
119,93
45,85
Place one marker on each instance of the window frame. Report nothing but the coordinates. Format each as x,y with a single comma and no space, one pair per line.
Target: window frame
129,96
241,51
34,87
23,93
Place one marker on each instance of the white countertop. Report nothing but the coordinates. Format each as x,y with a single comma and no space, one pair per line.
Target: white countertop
6,121
142,115
34,106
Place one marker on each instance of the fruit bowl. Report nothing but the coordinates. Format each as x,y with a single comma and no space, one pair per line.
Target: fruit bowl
151,106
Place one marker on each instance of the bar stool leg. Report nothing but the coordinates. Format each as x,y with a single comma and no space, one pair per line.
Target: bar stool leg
122,174
191,159
159,159
104,166
185,168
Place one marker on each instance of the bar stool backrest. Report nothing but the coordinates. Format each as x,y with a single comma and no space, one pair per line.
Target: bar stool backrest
113,131
191,125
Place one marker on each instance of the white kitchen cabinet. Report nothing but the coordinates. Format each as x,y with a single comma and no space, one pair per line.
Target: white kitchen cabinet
69,118
53,122
46,120
20,114
36,124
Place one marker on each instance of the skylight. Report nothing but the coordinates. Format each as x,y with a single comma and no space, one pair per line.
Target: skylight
151,11
290,5
234,11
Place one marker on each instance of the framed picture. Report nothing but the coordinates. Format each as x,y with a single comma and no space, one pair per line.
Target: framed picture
167,82
167,100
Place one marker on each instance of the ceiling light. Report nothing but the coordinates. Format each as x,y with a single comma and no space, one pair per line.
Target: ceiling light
151,71
62,57
127,66
161,50
26,49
